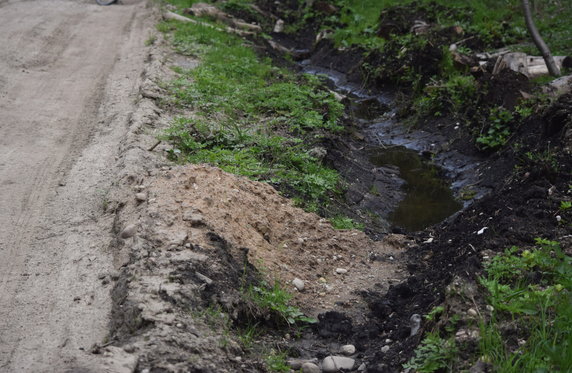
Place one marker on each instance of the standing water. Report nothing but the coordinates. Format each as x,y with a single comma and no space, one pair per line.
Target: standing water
428,196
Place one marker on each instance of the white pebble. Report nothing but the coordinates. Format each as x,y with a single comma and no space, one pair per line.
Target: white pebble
298,284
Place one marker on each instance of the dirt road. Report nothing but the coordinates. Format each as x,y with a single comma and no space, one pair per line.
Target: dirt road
69,76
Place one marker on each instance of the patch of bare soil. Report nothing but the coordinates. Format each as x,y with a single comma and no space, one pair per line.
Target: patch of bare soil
201,234
69,75
191,238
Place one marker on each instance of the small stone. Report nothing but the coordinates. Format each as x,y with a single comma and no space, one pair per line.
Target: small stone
279,26
318,152
333,364
141,197
489,308
129,349
362,367
204,278
385,348
341,271
179,238
415,323
388,341
480,367
298,284
310,368
296,364
128,231
472,312
194,218
348,350
322,280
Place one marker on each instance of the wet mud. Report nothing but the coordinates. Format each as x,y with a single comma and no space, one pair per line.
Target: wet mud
488,201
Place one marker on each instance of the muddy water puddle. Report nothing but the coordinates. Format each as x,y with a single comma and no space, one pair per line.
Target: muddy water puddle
429,183
428,199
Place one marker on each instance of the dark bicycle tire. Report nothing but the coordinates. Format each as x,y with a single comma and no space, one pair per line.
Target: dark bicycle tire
105,2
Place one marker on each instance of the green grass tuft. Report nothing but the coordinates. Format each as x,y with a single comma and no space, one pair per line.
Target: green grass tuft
250,118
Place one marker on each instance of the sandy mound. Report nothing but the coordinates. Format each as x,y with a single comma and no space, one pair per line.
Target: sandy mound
282,241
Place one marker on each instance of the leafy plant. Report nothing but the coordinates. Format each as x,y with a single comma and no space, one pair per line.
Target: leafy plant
343,222
531,288
449,96
433,354
498,130
434,313
276,362
275,300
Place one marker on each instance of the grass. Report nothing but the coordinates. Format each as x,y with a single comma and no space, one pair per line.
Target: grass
275,301
250,118
342,222
433,354
531,288
276,362
529,328
494,21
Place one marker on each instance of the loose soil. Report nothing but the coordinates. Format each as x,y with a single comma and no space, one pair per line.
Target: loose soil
69,74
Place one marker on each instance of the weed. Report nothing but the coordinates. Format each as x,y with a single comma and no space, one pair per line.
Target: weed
214,317
104,193
343,222
247,336
531,288
433,354
565,205
276,361
467,193
449,96
435,313
275,300
545,161
498,129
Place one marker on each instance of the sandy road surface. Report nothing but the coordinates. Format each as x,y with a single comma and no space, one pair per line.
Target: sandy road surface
69,75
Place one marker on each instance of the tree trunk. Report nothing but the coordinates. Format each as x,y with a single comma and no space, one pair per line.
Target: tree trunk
540,44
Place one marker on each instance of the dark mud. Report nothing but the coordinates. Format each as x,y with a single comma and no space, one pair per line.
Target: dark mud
408,177
513,196
510,198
